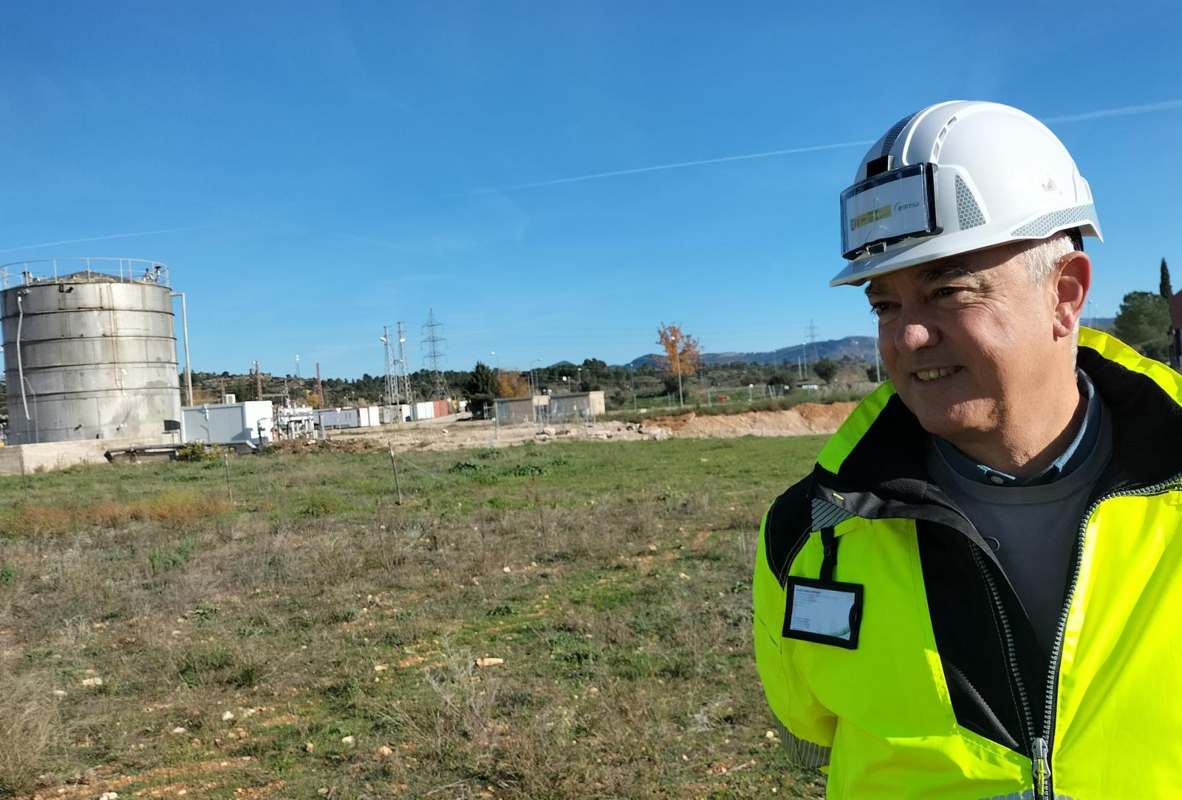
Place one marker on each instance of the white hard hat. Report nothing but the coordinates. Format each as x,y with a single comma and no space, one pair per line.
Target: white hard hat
957,177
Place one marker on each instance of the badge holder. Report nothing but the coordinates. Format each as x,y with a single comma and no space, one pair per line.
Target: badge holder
823,610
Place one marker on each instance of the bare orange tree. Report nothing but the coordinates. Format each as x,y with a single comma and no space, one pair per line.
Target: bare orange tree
682,353
511,383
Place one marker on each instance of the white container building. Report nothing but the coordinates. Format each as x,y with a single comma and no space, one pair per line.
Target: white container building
228,423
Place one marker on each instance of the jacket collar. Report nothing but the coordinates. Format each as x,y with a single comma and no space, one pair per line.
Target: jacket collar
879,450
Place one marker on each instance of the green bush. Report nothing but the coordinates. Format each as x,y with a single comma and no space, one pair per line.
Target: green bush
320,504
197,452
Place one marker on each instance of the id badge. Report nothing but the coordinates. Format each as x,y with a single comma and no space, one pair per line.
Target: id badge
825,612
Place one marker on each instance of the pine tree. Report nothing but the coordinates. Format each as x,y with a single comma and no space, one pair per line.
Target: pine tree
1166,290
1143,322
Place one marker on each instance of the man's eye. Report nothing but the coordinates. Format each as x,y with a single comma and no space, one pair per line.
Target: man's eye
947,291
880,308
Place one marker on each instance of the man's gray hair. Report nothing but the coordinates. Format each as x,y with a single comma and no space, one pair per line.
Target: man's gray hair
1042,257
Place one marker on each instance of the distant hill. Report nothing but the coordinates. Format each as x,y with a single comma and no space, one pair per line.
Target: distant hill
857,347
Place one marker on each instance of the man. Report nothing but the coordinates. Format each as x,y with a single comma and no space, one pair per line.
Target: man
974,592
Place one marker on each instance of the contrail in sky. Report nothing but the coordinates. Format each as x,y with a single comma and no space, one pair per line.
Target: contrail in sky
1122,111
100,238
682,164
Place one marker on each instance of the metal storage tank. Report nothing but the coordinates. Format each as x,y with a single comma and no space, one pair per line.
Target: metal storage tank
89,350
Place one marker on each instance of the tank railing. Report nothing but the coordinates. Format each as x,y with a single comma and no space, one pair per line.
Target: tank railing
52,270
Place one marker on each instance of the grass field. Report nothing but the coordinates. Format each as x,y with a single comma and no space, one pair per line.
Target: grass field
277,626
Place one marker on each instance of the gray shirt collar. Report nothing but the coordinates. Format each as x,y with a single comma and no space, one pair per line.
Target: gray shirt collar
1076,453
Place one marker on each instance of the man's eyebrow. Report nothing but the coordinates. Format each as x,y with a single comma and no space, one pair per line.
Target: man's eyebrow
950,272
946,273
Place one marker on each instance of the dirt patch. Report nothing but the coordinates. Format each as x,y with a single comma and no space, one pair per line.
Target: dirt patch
804,419
469,435
169,781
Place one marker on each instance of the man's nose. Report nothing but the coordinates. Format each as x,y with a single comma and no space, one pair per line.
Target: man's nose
915,333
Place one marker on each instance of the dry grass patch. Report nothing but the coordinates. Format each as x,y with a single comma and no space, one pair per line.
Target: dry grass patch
172,508
30,730
609,580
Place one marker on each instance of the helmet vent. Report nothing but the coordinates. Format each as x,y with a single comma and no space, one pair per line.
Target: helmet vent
968,213
888,141
940,138
1041,227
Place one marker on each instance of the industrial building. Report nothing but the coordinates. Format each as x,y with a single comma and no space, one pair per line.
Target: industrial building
400,412
247,423
576,406
517,410
353,417
89,351
432,409
571,407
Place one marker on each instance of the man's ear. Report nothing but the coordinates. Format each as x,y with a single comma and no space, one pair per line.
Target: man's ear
1071,281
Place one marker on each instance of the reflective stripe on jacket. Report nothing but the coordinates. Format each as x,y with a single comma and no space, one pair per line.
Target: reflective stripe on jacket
948,694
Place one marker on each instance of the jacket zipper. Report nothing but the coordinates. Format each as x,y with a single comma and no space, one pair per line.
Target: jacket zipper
1040,755
1011,649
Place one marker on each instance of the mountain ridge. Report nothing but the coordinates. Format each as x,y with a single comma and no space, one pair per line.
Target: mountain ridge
855,347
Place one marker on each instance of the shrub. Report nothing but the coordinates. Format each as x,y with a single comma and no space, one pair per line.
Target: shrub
197,452
320,503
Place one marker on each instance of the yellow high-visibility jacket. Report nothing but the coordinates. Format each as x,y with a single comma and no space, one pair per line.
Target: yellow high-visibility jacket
946,692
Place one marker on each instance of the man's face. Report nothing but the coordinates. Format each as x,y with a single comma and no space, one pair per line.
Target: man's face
967,340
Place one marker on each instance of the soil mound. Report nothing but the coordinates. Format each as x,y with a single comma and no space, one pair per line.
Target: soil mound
799,420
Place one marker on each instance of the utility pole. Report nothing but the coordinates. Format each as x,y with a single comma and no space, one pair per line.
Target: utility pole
297,366
677,367
319,385
258,381
812,340
434,341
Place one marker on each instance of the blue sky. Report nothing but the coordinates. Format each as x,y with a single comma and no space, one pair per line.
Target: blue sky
313,171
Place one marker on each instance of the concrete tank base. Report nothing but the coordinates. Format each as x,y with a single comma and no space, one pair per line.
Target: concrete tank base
30,459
